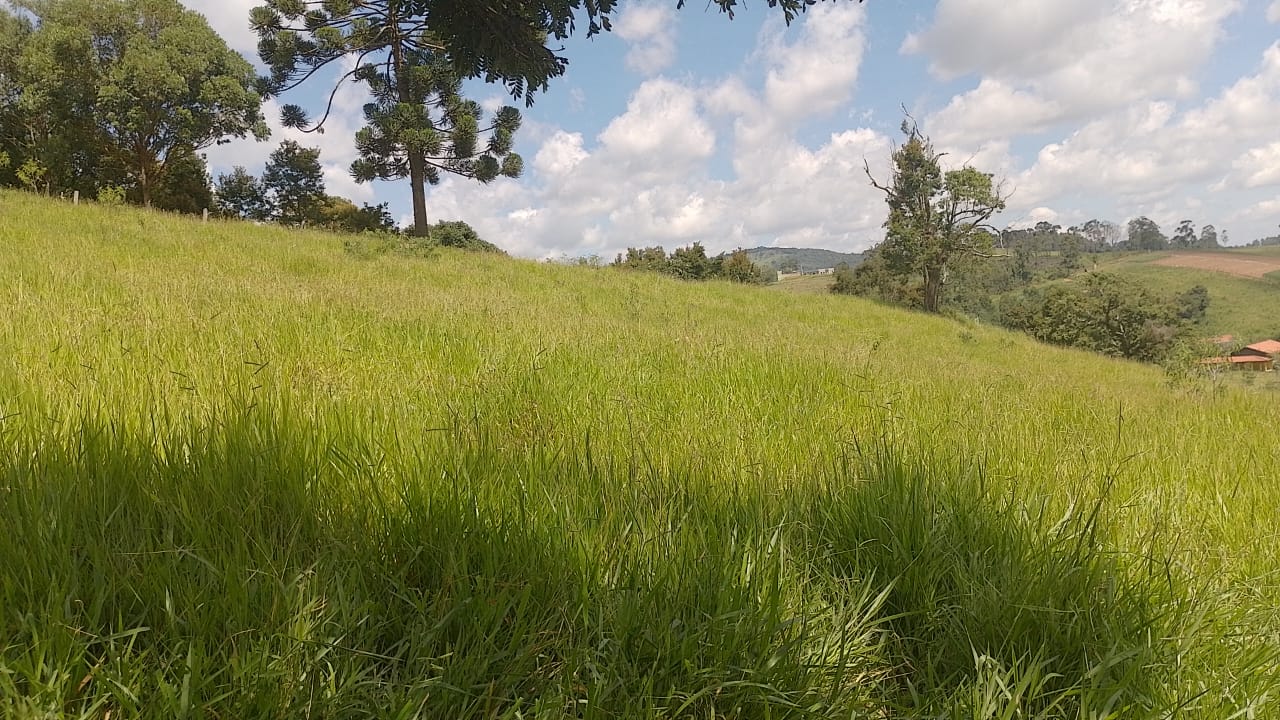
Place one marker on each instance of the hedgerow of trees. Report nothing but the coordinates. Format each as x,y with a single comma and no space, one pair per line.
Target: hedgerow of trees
1107,314
692,263
292,192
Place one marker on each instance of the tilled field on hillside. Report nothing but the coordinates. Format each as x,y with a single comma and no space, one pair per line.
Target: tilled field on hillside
1250,267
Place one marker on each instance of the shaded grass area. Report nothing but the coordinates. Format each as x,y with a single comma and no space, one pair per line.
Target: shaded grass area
247,474
245,570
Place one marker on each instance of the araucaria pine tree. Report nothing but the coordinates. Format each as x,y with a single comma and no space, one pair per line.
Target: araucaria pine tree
418,125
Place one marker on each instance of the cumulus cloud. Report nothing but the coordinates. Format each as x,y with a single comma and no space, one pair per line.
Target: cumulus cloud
661,127
646,178
230,19
1273,12
649,30
1101,100
1260,166
1263,210
1151,158
1044,64
816,72
982,113
560,154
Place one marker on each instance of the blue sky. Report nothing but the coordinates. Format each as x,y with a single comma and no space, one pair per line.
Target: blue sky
683,126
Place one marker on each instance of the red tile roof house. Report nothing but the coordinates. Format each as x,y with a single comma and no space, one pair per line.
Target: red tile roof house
1258,356
1260,363
1270,348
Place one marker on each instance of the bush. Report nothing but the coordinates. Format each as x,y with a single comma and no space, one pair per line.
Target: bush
112,195
369,245
458,234
34,176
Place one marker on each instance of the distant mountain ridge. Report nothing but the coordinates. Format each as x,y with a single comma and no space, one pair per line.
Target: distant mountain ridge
801,259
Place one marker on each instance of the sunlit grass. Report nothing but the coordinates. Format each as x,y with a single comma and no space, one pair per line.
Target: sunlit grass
247,474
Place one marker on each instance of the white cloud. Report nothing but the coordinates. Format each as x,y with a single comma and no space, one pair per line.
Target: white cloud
646,179
1260,166
1153,160
1273,12
649,29
815,73
1047,63
230,19
1037,215
661,130
560,154
998,35
989,111
1264,210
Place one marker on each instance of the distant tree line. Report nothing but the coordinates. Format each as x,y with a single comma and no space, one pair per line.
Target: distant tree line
692,263
1269,240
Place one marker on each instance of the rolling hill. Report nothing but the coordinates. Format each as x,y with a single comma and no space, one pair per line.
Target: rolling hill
1244,292
801,259
257,472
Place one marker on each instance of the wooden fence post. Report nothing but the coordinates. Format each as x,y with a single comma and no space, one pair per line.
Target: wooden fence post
206,214
75,198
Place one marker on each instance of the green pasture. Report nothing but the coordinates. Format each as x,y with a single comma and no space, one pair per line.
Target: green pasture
252,472
1247,308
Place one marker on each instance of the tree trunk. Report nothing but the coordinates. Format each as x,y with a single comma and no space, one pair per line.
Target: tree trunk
418,180
932,288
417,163
145,181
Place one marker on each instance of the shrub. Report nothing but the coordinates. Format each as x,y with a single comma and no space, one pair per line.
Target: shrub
458,234
111,195
370,244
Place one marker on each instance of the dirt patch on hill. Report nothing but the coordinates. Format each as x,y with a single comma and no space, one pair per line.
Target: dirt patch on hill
1239,265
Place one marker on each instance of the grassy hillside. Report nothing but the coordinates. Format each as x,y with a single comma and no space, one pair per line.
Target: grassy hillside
1248,308
803,259
806,284
249,474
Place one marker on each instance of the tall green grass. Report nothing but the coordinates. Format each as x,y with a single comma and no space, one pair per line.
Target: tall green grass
249,474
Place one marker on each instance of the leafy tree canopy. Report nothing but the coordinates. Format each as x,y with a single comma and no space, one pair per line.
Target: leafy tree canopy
458,234
241,195
1185,236
418,125
1107,314
341,215
692,263
934,216
1145,234
185,185
143,81
514,42
294,182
